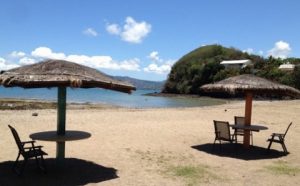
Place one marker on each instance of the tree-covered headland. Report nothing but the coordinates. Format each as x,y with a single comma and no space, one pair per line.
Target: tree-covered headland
202,66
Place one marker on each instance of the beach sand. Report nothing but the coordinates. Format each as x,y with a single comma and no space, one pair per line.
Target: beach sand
170,146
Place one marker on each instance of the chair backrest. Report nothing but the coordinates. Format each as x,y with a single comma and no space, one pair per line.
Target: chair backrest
239,120
222,130
17,138
287,129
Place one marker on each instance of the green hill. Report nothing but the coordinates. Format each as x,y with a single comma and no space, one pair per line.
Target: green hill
202,66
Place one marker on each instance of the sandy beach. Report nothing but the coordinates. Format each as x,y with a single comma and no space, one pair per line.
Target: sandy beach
170,146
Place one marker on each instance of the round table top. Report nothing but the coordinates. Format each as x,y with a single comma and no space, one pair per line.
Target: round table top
70,135
250,127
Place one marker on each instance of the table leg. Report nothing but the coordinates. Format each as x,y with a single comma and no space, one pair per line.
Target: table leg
248,113
246,138
61,110
61,122
60,150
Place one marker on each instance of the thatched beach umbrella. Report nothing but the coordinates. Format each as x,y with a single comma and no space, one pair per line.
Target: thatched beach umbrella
61,74
248,85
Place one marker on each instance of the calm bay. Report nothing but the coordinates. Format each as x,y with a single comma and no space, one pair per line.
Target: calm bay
137,99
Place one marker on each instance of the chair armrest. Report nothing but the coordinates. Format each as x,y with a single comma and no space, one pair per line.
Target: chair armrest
38,150
38,147
27,148
277,134
27,142
35,147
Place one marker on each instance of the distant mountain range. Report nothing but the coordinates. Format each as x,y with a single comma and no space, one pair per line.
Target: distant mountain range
142,84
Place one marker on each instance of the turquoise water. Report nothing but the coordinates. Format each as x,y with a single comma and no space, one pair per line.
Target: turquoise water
95,95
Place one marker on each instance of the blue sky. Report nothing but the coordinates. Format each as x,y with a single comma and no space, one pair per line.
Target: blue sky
142,39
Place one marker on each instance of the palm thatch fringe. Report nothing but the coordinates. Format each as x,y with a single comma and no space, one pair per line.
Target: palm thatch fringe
247,82
55,73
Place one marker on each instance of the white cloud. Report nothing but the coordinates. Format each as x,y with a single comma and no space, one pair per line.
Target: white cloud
113,29
261,52
90,32
154,56
281,50
46,53
27,61
91,61
6,66
105,62
132,32
16,54
131,64
164,67
98,62
154,68
249,50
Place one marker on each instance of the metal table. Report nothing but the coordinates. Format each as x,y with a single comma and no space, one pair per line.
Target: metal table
255,128
70,135
247,129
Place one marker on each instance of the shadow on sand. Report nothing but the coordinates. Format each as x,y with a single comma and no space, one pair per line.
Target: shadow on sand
71,172
237,151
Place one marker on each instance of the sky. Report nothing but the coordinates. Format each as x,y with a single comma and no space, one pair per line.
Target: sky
142,39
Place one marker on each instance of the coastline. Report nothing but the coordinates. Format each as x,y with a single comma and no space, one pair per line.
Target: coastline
228,97
36,104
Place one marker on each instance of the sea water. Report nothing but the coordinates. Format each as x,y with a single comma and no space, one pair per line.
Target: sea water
137,99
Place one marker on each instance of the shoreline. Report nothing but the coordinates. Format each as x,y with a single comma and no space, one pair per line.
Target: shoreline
36,104
237,98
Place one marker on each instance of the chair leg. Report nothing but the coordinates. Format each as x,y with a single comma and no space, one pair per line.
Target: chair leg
271,141
270,144
251,135
15,165
284,147
43,167
213,148
235,138
236,146
23,166
37,161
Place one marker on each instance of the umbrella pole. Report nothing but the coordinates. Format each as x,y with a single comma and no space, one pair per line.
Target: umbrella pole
248,112
61,121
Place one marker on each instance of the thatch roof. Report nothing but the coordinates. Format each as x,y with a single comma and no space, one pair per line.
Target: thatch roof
247,82
55,73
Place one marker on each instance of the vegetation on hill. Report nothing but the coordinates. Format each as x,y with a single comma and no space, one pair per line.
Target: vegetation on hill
202,66
142,84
